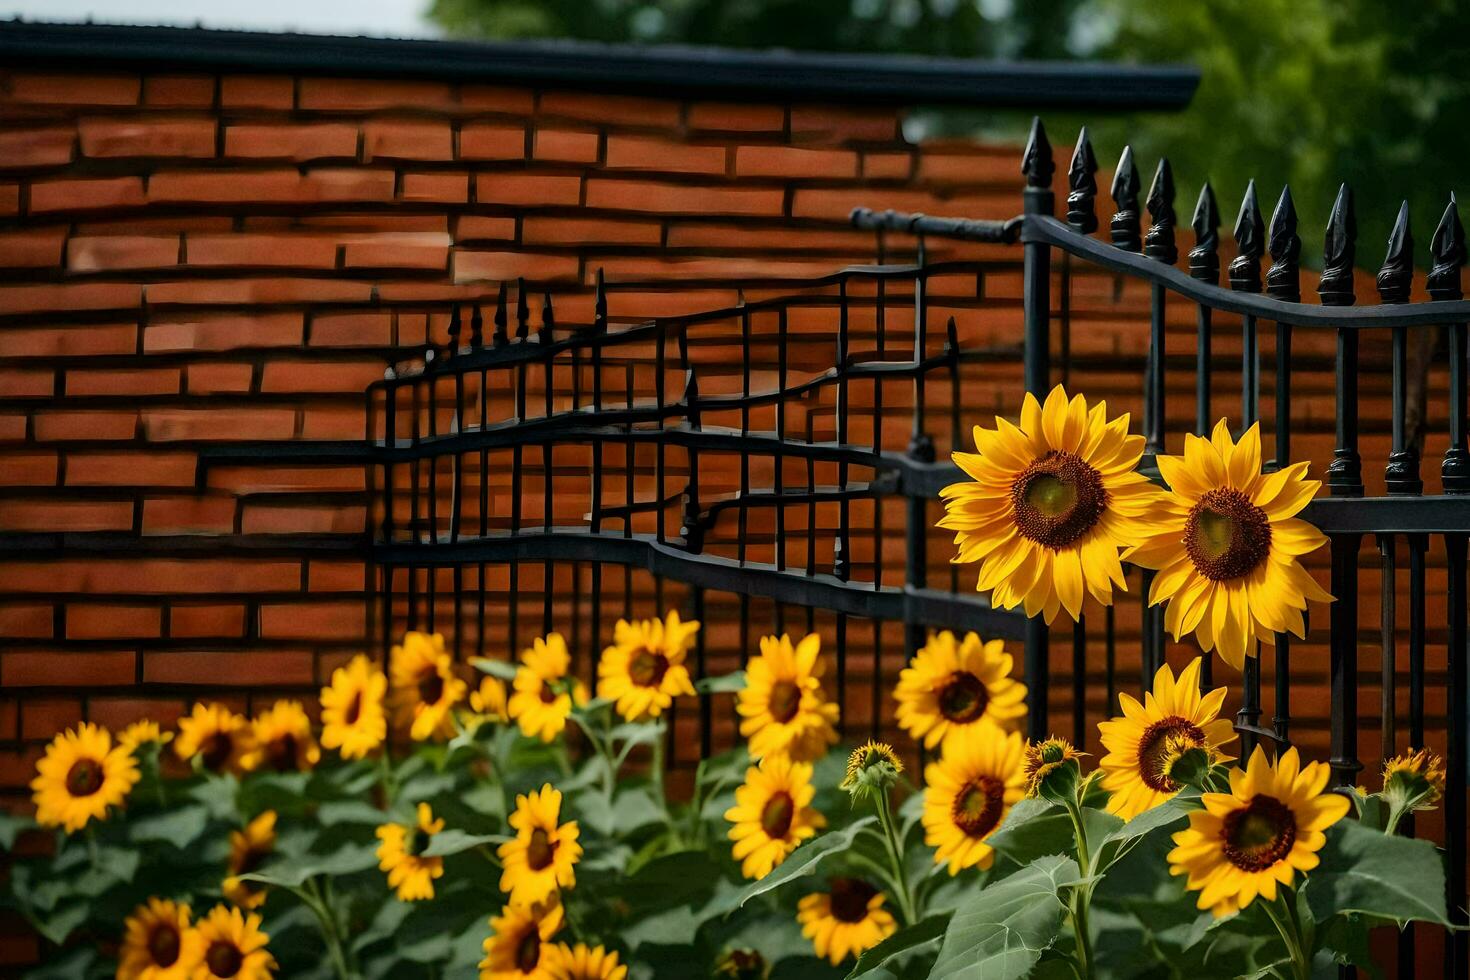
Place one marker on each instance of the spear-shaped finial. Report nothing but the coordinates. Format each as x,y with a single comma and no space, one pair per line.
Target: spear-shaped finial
1245,268
523,310
691,397
477,328
1204,258
454,330
1159,243
951,337
1339,250
1082,181
500,338
1125,225
1036,160
1396,277
1283,279
599,305
548,318
1447,255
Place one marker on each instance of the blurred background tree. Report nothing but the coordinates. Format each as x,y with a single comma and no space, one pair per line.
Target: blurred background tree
1305,92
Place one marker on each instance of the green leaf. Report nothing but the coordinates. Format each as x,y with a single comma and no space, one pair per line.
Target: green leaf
916,940
1364,871
503,669
806,859
350,812
721,684
1001,932
633,733
180,827
1033,828
454,841
11,826
292,873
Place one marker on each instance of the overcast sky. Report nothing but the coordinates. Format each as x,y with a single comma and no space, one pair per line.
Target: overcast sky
395,18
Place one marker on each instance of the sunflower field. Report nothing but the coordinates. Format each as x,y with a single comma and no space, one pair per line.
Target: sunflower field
502,820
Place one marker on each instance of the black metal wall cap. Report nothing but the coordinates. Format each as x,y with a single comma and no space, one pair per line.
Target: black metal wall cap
708,72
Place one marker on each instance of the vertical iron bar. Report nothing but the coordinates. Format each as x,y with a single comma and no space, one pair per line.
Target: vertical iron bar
1456,760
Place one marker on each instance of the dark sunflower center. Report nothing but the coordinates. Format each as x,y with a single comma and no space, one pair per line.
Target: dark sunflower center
354,710
1151,754
647,669
216,750
163,945
777,814
540,851
224,959
548,693
416,841
784,700
528,950
281,753
850,897
977,807
963,697
431,687
250,861
1226,536
84,777
1259,834
1057,499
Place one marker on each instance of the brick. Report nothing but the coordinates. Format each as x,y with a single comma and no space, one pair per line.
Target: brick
217,425
9,199
844,123
27,384
215,379
498,266
324,576
317,519
475,227
94,621
791,161
68,426
496,98
887,166
12,427
565,145
333,423
132,381
315,141
251,292
151,576
319,376
223,186
75,89
70,297
229,668
311,620
732,118
539,230
219,333
38,249
79,341
188,515
86,194
179,91
21,514
44,718
52,668
534,190
287,479
647,195
352,330
27,620
261,251
119,712
131,469
968,168
388,253
120,252
348,94
343,184
147,136
407,139
50,147
722,235
436,188
257,92
29,469
665,156
213,619
490,141
603,109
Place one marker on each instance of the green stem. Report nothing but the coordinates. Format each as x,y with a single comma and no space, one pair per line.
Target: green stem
1290,931
895,854
386,778
314,899
1081,896
610,773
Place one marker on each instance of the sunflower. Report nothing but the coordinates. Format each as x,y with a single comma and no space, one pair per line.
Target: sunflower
158,943
643,671
1421,773
400,855
782,709
541,702
352,709
872,769
967,794
1043,758
248,850
953,685
143,732
580,962
80,776
541,856
281,740
425,689
216,735
518,947
1227,545
1049,505
1268,827
772,814
845,920
233,946
1144,742
488,702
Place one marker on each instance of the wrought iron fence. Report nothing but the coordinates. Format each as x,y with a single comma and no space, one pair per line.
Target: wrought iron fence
526,481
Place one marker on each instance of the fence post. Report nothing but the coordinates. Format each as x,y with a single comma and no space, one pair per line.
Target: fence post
1037,165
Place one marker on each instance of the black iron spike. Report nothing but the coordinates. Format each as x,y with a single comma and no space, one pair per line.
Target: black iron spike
691,397
1283,279
1082,181
1447,255
599,304
1245,268
1036,160
1339,251
500,338
523,310
477,328
1396,277
1204,258
548,318
1159,242
951,337
1126,224
454,330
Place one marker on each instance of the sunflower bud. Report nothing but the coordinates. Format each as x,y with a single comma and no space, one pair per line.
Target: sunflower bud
1413,781
872,770
742,964
1053,771
1187,763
